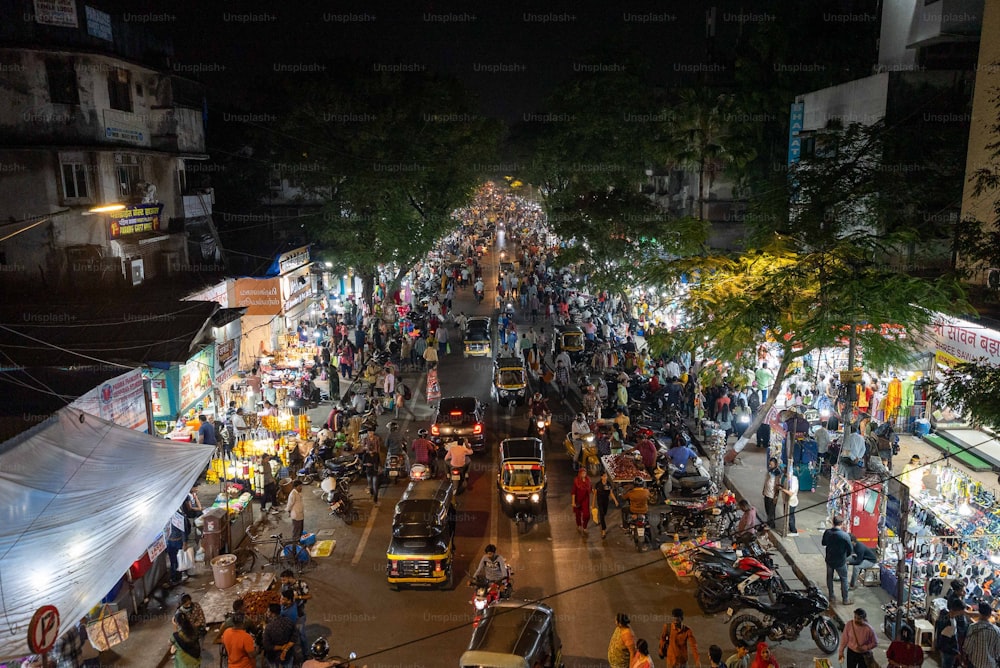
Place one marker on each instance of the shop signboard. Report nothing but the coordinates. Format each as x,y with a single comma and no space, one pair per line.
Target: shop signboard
297,293
134,219
959,341
98,23
163,393
796,118
59,13
195,378
121,400
227,359
293,259
260,296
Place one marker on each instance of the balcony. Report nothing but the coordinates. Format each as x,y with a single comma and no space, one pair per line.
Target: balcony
197,204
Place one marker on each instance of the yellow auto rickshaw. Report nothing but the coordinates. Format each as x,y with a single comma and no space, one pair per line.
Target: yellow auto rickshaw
521,480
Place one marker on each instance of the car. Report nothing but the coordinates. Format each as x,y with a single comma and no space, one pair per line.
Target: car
478,338
459,417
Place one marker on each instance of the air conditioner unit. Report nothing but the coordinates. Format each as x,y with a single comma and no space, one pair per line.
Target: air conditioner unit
137,271
993,279
172,262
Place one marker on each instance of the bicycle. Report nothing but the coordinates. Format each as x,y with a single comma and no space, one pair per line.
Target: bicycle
285,554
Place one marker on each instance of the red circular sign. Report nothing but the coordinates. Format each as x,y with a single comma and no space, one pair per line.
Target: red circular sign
43,629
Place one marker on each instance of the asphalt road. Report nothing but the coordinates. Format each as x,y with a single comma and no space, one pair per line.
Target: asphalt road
586,580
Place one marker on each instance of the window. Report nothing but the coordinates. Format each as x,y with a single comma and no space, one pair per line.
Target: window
74,171
129,173
61,76
119,90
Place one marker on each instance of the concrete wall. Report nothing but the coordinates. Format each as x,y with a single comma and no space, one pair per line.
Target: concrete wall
984,116
859,101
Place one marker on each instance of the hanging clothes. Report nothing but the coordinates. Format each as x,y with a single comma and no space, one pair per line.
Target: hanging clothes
862,398
906,396
893,398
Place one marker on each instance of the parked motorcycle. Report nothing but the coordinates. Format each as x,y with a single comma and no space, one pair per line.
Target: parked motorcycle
337,493
312,467
345,466
704,555
488,593
785,619
719,585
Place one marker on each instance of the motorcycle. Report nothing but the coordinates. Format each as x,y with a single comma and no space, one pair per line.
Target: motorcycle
337,493
312,468
719,585
704,555
395,467
488,593
458,475
542,423
641,532
345,466
785,620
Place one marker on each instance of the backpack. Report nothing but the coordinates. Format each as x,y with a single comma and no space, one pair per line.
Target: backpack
407,394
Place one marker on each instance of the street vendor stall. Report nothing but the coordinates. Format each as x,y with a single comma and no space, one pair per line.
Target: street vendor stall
253,588
623,469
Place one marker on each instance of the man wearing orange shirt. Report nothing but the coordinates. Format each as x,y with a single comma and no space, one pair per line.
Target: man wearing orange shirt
239,644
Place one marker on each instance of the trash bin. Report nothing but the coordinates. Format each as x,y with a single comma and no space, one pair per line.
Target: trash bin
224,571
212,532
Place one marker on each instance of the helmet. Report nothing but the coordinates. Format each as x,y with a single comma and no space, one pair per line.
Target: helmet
320,648
422,433
639,482
393,425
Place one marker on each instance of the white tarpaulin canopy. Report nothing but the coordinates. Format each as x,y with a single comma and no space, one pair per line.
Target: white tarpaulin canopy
82,500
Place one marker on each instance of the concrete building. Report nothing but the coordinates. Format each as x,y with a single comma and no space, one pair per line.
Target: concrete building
923,79
92,116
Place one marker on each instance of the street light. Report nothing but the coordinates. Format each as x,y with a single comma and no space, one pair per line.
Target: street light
106,208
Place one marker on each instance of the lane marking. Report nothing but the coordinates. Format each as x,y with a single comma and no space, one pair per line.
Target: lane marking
364,537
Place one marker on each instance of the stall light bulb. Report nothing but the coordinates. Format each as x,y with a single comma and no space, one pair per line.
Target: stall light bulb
994,559
965,510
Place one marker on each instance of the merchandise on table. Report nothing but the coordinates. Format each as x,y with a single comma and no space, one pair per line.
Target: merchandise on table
622,468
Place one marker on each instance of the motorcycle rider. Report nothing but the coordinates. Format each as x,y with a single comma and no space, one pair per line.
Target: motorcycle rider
394,445
681,454
577,431
478,289
493,568
538,407
638,502
458,457
423,449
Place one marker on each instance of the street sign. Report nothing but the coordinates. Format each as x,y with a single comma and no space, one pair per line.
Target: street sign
850,376
43,630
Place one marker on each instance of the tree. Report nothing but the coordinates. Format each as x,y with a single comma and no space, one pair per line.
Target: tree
972,389
392,155
701,135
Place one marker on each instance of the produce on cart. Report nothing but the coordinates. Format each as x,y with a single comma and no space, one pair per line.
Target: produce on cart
623,468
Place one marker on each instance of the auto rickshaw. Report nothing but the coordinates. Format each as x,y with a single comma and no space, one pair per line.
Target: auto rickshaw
571,339
515,634
422,547
510,382
521,480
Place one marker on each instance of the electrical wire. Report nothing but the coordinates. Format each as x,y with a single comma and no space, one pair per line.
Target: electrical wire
158,316
730,536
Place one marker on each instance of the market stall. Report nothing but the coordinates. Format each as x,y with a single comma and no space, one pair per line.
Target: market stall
952,531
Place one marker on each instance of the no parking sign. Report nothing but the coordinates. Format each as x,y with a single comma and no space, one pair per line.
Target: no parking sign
43,629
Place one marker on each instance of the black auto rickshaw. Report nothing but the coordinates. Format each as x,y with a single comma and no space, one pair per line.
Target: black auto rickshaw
510,382
515,634
521,480
422,548
571,339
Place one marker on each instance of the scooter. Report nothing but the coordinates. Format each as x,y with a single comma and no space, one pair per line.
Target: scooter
337,493
488,593
395,467
458,475
345,466
641,532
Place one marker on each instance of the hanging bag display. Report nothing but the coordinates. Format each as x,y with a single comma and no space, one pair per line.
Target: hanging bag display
109,629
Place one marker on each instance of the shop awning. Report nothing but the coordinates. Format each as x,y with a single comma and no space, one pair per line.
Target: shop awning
225,316
83,499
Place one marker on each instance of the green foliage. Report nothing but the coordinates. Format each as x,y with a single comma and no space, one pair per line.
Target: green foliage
972,389
391,155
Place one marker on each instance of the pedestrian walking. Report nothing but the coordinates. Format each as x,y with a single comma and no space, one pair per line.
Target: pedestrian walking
562,378
715,657
904,653
949,631
622,645
742,658
581,500
603,492
641,658
676,640
771,491
270,486
296,510
185,644
764,657
838,550
442,339
982,641
858,639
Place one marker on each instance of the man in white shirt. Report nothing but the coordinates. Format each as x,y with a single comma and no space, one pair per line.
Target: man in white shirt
458,456
673,369
822,438
852,455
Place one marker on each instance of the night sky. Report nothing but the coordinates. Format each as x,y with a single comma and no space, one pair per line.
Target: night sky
510,54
